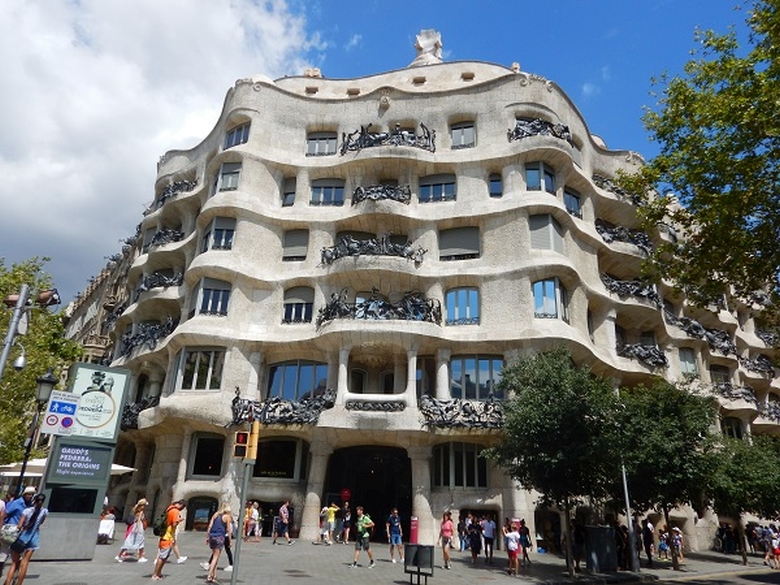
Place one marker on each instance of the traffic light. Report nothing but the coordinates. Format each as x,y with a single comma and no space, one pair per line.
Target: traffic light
241,444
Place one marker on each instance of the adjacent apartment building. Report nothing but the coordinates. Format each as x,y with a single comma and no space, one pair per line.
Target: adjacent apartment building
353,262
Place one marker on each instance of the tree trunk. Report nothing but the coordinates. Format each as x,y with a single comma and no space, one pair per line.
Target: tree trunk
670,540
742,538
569,547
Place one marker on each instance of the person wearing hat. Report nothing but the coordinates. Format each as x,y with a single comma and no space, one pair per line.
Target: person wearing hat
28,541
13,512
134,536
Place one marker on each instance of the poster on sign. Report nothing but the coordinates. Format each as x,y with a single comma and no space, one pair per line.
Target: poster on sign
101,393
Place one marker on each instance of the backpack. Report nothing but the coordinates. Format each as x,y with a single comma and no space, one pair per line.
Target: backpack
158,528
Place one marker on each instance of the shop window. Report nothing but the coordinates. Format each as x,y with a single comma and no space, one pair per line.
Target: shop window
282,459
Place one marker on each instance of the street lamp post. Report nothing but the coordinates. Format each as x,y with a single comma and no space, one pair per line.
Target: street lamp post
46,384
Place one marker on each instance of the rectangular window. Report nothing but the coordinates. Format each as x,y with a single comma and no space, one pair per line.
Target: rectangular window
295,380
688,362
321,143
201,369
460,243
228,176
219,234
298,305
495,185
288,192
647,338
148,236
296,245
462,135
214,297
720,375
236,136
459,465
462,306
209,452
437,188
550,300
540,177
572,201
474,377
327,192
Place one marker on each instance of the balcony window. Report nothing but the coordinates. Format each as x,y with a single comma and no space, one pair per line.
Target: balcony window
298,305
219,234
148,236
550,300
540,177
688,366
288,192
437,188
227,179
460,243
425,376
201,369
212,297
321,143
474,377
462,135
731,427
462,306
573,202
297,379
296,245
327,192
720,375
207,456
458,465
647,338
495,185
546,233
236,136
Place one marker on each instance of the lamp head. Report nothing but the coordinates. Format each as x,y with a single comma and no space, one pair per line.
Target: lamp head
21,361
46,384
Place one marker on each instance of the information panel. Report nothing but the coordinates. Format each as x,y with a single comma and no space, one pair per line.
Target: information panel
79,464
101,394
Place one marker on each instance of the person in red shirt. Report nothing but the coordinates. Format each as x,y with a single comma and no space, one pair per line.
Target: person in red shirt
165,547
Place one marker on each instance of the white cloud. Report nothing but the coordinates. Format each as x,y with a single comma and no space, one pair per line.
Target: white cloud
95,91
353,42
590,89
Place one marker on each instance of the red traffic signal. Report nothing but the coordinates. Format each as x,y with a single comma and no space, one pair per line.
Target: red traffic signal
241,444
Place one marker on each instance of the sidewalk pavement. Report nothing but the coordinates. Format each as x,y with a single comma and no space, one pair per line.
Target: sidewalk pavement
305,564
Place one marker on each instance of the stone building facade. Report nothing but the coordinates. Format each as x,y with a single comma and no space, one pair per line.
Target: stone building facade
352,262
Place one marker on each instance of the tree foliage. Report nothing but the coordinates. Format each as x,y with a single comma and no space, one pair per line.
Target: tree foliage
719,136
45,347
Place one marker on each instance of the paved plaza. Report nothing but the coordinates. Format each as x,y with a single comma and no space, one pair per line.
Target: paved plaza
305,564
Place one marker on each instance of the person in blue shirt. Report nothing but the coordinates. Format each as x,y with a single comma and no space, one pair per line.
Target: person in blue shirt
13,513
395,534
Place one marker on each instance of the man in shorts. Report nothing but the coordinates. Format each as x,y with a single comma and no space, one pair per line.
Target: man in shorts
283,524
395,535
363,526
168,537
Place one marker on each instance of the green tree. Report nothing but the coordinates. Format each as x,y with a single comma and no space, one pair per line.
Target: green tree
559,431
668,448
45,347
746,481
719,136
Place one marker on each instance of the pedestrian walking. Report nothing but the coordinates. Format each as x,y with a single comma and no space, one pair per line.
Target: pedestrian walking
512,539
363,527
395,535
488,526
218,531
346,522
168,537
28,541
134,535
525,542
446,531
283,523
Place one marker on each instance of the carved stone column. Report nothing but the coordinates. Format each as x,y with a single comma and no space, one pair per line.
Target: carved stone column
186,441
421,493
310,520
410,391
342,384
255,381
443,374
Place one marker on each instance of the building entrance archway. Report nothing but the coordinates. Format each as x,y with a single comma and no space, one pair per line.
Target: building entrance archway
379,478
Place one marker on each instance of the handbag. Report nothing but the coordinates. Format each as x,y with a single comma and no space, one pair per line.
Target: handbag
9,533
20,544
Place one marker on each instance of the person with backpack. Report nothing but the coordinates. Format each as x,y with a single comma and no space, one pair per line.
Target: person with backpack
167,537
363,527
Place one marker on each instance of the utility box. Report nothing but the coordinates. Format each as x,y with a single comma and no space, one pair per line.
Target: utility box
418,560
600,549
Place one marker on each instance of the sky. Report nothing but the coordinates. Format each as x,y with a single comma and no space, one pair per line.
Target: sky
95,91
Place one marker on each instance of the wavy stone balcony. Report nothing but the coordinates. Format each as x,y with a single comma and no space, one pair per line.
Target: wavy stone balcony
277,410
364,138
612,233
170,192
736,398
717,339
631,288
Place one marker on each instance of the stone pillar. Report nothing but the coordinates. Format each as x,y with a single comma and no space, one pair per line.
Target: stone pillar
421,493
411,378
399,380
181,475
610,321
342,383
155,385
254,386
310,520
443,374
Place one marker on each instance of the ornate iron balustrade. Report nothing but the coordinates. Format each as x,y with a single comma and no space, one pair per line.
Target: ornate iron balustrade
525,127
631,288
276,410
364,138
148,334
158,280
647,354
111,318
412,307
171,191
402,194
382,246
131,411
166,236
760,364
368,406
609,185
731,392
770,410
770,338
715,338
458,413
610,233
462,321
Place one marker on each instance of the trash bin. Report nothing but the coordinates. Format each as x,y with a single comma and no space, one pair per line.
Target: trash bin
418,560
600,550
414,528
